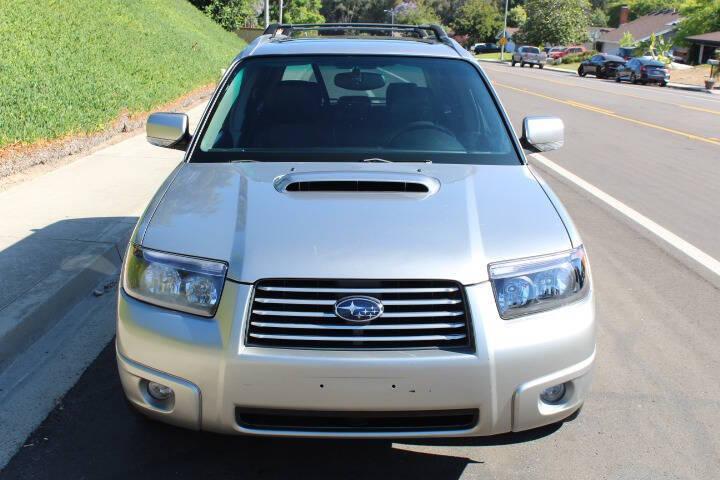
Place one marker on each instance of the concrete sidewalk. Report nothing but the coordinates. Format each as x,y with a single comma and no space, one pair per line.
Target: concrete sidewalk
65,231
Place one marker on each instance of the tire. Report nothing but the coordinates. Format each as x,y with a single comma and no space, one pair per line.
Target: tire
541,66
599,74
522,64
618,79
581,72
531,65
633,79
513,63
663,84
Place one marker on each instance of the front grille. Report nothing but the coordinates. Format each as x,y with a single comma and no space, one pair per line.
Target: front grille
334,421
301,314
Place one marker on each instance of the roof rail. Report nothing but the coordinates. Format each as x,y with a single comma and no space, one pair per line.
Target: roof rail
276,29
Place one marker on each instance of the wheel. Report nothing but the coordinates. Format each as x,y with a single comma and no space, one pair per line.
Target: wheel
522,64
513,63
541,66
633,79
618,79
531,65
663,84
643,82
599,74
581,71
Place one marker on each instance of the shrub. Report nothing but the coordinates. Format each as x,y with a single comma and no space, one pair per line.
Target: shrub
578,57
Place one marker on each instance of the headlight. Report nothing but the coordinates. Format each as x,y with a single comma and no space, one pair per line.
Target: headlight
174,281
539,283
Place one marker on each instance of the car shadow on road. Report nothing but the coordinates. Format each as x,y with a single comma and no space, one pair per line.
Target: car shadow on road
92,433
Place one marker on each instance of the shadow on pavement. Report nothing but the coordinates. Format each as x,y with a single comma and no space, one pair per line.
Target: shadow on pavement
93,434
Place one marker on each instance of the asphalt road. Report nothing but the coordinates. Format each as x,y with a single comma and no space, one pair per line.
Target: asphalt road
654,410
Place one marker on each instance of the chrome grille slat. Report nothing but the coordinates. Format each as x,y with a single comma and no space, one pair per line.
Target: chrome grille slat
359,338
295,301
358,291
401,326
301,301
301,314
287,313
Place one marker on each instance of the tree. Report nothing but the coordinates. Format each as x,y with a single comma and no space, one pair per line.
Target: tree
638,8
415,13
556,22
701,16
480,20
598,18
298,11
232,14
517,16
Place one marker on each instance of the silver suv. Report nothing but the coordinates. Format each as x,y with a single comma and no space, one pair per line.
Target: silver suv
355,246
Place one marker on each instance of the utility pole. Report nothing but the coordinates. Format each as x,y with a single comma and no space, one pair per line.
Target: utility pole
392,14
267,13
281,7
504,34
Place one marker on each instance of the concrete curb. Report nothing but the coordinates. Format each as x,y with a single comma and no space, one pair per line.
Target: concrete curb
678,86
29,317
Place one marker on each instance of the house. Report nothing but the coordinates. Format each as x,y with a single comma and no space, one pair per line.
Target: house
662,24
703,47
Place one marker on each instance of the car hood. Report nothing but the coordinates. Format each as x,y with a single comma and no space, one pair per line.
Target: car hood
234,212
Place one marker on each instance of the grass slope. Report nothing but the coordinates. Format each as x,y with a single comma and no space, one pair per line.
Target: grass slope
70,66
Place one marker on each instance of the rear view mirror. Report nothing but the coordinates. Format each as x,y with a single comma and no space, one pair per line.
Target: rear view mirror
169,130
543,133
357,80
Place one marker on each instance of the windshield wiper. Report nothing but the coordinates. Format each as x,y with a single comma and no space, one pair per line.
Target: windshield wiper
376,160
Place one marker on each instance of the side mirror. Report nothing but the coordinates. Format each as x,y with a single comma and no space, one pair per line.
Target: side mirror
543,133
169,130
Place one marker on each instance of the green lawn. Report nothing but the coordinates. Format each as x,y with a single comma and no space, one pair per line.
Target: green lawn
69,66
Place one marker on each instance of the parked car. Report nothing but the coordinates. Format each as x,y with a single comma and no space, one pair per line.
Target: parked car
601,65
553,51
330,258
529,56
487,48
474,46
643,70
568,51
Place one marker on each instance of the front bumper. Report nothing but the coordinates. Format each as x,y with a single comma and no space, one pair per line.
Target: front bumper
213,373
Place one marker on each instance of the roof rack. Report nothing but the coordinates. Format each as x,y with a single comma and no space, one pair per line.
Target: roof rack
422,31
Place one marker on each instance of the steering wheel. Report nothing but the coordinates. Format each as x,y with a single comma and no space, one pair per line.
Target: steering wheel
419,125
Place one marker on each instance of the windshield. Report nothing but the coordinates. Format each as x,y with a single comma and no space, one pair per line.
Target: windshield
341,108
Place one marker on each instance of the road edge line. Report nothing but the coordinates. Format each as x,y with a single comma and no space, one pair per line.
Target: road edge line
663,233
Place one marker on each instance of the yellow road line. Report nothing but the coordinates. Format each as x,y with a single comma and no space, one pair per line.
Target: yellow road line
613,115
639,97
588,107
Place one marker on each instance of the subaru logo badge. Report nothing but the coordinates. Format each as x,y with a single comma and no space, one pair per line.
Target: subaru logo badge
359,309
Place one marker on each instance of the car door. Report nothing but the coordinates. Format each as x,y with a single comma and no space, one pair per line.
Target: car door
594,64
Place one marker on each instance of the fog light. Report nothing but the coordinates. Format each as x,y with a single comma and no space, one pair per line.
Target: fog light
159,391
553,394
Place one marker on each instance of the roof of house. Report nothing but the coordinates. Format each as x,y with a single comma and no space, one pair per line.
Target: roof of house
641,28
712,37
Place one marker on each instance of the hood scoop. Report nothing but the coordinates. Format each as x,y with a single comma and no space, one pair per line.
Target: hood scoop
382,182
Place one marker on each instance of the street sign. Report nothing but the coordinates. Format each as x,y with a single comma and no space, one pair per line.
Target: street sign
503,41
